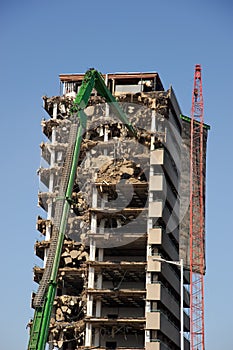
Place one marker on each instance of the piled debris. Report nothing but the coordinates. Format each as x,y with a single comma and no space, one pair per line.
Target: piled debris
41,224
79,203
68,308
152,100
66,332
73,257
63,103
76,226
116,170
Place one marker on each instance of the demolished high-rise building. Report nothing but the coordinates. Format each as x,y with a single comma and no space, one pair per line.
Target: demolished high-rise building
125,211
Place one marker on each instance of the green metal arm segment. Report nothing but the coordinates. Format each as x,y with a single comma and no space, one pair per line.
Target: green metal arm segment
42,315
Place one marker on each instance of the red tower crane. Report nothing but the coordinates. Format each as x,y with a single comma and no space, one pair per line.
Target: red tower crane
197,219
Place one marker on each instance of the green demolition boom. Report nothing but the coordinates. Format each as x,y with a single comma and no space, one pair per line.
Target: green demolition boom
43,301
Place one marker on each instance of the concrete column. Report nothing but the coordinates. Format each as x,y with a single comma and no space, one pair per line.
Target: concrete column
91,271
106,130
98,302
91,282
147,337
99,283
101,226
97,337
92,250
93,223
153,129
101,254
98,311
88,335
51,178
148,250
104,199
94,197
153,120
89,305
54,111
91,276
113,85
51,185
98,308
101,131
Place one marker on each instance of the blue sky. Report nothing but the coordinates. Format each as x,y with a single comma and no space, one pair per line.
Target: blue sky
41,39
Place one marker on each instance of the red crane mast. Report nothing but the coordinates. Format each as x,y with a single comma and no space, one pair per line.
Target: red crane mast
197,219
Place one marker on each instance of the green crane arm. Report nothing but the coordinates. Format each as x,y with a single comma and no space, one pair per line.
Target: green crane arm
40,325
